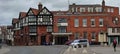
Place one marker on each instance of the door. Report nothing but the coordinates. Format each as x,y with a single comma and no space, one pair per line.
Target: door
61,40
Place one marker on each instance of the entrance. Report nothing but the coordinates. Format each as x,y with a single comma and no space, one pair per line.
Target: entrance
43,40
110,40
61,40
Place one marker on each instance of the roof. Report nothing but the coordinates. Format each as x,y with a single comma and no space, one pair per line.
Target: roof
35,11
9,27
22,14
86,5
15,20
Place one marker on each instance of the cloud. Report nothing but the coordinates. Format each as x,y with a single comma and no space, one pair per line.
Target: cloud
10,8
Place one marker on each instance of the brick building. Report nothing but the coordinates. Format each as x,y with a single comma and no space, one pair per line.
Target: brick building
95,22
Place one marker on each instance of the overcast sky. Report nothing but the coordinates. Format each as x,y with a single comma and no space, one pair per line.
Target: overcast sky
10,8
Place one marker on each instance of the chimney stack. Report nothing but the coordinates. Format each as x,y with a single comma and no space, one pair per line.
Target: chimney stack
40,6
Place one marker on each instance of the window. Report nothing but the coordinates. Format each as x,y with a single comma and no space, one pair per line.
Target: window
62,20
90,9
46,19
108,10
49,28
101,22
32,29
82,9
76,35
84,22
76,22
112,10
118,30
26,19
32,18
93,35
113,30
98,9
92,22
73,10
85,35
62,29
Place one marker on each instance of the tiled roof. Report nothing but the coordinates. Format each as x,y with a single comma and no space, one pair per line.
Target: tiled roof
22,14
35,11
15,20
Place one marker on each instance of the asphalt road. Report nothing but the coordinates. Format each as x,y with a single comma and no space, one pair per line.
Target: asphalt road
37,49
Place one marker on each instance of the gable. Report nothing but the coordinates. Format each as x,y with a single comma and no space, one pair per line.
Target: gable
45,11
30,12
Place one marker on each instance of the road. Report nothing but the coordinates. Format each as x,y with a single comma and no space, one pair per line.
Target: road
34,50
58,49
92,50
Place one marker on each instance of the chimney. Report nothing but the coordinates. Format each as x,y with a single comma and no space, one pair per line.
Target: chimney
103,6
103,3
40,6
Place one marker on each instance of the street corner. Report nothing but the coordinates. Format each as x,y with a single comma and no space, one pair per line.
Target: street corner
4,50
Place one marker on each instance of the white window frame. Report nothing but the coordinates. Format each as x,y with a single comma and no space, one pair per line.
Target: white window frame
76,22
84,22
101,20
92,22
98,9
82,9
90,9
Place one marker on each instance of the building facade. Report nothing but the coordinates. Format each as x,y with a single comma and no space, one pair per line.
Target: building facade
33,27
97,22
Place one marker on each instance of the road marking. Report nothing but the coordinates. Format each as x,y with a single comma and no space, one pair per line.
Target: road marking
84,51
94,53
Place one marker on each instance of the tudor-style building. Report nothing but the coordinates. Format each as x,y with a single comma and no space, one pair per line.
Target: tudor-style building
97,22
33,27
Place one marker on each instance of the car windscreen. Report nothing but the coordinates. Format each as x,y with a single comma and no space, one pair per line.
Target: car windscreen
83,41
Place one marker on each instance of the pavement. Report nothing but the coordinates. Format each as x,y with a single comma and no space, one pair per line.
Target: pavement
4,50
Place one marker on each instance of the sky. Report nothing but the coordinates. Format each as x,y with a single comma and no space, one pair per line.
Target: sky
10,8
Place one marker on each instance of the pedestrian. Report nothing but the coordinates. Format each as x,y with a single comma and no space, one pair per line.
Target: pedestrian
114,44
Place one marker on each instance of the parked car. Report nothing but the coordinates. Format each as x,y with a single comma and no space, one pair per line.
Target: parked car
80,43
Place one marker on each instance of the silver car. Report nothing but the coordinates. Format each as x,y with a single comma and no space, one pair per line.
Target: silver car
80,43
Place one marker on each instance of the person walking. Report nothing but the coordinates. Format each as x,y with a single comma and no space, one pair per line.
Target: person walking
114,44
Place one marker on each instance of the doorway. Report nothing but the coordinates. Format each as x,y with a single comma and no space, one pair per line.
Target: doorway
61,40
43,40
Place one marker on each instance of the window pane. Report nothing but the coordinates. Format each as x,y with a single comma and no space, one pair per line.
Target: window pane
62,20
84,22
93,35
85,35
49,28
32,29
90,9
98,9
101,22
77,35
92,22
82,9
46,19
76,22
62,29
